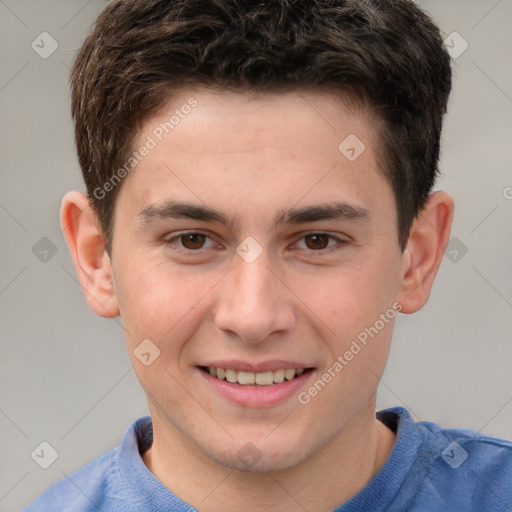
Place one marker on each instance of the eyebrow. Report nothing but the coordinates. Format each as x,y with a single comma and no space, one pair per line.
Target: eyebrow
176,210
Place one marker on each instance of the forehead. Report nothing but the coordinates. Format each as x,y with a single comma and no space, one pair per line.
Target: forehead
249,117
229,148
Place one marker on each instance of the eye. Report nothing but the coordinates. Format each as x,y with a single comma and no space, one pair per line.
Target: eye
320,242
191,241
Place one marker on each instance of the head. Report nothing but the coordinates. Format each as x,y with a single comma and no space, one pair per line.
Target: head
259,179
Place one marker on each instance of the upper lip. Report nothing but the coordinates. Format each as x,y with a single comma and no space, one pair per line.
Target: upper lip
263,366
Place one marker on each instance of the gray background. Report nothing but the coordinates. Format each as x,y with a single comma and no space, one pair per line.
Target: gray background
65,377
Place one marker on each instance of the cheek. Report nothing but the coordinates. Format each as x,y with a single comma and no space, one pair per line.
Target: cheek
159,302
352,296
356,304
165,304
166,307
360,316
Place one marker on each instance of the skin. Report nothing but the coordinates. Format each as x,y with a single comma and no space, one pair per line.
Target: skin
251,157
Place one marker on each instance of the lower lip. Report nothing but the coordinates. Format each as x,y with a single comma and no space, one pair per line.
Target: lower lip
257,396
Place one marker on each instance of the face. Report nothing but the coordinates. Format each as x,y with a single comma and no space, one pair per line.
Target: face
246,240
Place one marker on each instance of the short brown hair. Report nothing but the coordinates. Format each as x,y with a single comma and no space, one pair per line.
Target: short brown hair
388,52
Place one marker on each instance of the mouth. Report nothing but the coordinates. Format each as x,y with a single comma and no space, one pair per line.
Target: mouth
257,385
255,379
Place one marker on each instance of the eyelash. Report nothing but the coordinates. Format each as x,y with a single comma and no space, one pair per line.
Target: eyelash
170,242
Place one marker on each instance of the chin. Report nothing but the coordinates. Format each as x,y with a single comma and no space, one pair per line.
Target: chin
260,456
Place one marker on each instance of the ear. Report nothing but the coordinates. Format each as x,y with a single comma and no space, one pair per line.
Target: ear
81,229
428,238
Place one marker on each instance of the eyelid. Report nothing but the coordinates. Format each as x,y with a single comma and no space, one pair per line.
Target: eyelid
169,240
341,242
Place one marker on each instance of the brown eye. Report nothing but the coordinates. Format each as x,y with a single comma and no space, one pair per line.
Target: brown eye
189,242
317,241
193,240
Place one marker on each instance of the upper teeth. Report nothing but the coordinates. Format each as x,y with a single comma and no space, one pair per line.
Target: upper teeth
261,378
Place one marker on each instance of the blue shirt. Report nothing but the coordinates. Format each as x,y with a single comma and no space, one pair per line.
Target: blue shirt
430,469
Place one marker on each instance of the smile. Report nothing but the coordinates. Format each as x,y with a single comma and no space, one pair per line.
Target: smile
254,378
257,385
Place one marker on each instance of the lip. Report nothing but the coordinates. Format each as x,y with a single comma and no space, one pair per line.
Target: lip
264,366
257,397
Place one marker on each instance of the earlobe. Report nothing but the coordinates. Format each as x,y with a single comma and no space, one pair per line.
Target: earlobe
423,255
80,227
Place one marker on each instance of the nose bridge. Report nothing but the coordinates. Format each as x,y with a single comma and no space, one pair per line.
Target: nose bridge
254,303
254,282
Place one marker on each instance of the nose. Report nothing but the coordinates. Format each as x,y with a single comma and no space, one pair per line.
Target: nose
254,302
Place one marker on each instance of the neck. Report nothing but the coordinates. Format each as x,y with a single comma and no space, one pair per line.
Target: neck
320,483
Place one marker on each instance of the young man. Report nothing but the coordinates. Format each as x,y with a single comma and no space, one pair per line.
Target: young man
259,210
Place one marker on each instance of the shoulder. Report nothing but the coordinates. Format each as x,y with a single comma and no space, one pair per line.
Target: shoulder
456,447
466,470
72,492
98,486
88,489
